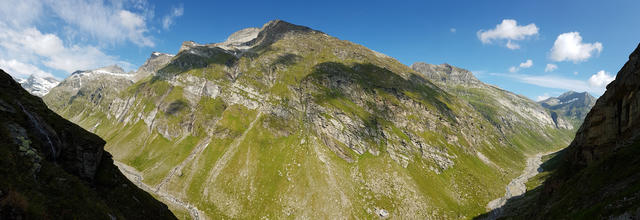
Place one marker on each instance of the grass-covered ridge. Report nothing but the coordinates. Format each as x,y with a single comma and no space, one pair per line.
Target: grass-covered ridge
310,126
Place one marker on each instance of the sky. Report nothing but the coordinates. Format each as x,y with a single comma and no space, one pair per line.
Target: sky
534,48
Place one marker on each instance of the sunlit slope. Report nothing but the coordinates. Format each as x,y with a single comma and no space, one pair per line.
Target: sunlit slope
298,123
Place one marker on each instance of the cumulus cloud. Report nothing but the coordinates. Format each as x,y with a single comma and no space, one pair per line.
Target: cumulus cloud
523,65
601,79
596,84
550,67
176,12
22,70
510,31
49,49
526,64
75,36
107,22
569,47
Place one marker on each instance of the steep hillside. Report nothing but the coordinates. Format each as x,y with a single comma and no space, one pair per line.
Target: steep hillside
599,174
572,105
286,121
53,169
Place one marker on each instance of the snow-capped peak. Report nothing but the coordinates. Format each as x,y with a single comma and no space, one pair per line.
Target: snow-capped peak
38,86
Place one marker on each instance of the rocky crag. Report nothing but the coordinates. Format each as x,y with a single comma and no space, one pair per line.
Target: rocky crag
286,121
54,169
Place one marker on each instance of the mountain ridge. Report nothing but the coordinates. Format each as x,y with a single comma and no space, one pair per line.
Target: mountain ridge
334,130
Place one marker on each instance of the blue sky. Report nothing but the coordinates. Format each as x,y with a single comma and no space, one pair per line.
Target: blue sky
587,41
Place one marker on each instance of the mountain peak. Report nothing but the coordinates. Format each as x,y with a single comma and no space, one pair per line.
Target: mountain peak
445,73
38,86
275,30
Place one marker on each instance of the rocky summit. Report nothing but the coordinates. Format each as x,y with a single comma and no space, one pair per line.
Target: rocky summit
54,169
284,121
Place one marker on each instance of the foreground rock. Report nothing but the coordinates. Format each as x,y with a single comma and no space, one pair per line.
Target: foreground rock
54,169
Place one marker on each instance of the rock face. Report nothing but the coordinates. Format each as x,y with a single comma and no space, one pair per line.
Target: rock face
53,168
38,86
598,175
446,74
291,122
613,121
574,106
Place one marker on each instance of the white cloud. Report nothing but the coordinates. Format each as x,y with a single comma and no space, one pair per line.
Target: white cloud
542,97
523,65
526,64
569,47
20,12
453,30
107,22
48,49
167,21
600,79
556,82
512,45
550,67
508,30
22,70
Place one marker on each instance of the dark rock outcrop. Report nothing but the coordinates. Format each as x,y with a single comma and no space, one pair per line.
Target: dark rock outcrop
52,168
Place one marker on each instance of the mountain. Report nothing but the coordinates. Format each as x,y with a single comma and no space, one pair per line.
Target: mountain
502,108
285,121
38,86
53,169
572,105
597,176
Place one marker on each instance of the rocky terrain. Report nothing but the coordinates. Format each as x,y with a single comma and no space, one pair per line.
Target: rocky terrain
54,169
598,175
574,106
285,121
503,108
38,86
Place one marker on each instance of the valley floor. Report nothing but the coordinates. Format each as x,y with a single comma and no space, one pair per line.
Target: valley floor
518,186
